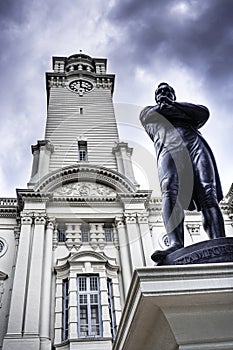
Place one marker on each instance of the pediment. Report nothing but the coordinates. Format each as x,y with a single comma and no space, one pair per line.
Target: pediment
80,258
84,179
84,189
88,256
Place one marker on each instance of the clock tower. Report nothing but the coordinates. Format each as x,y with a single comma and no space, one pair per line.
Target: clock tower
81,124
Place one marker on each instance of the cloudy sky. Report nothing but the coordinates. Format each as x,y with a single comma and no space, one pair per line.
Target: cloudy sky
188,43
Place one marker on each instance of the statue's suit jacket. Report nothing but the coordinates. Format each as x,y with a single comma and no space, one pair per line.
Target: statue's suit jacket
174,130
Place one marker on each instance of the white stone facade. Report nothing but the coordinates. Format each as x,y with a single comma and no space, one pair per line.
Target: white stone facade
70,242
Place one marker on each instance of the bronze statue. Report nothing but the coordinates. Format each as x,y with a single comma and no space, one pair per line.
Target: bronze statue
187,170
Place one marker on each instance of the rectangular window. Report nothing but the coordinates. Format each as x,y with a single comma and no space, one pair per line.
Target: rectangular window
61,234
89,320
82,150
108,232
85,233
111,308
65,308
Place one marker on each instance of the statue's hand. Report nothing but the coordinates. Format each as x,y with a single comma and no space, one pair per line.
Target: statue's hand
166,100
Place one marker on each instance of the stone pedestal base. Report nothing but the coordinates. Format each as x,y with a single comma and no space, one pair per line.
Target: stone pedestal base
26,342
179,308
14,343
211,251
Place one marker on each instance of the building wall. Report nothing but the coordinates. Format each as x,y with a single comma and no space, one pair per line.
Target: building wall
97,125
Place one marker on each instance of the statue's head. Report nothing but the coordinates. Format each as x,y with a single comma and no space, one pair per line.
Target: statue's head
164,89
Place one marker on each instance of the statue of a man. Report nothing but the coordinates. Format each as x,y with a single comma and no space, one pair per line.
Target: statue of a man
186,166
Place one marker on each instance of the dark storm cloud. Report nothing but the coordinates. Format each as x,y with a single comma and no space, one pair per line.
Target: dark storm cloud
170,38
199,36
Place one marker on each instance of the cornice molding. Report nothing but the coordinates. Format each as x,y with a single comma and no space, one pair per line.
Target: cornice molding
29,194
136,197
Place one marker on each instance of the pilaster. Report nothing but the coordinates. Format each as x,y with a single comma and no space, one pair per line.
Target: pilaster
124,253
41,157
105,306
20,285
32,315
47,285
73,321
123,154
58,312
117,300
134,239
146,238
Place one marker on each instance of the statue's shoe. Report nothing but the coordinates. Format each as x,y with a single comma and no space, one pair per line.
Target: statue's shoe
159,255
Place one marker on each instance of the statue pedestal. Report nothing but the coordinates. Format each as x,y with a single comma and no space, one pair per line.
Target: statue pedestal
212,251
178,308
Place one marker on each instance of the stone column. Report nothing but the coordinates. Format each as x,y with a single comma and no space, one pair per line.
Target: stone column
145,237
33,305
47,286
41,157
134,240
20,287
58,312
105,306
73,321
123,154
116,300
124,254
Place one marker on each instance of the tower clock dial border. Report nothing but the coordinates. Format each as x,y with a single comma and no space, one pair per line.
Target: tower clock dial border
80,86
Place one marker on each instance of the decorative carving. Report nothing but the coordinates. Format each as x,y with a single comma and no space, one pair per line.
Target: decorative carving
3,246
194,229
51,224
8,207
84,189
142,218
71,173
164,240
119,222
59,81
130,218
40,220
26,220
17,233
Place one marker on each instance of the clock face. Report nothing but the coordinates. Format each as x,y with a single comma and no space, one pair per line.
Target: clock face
80,86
